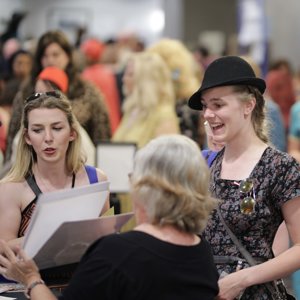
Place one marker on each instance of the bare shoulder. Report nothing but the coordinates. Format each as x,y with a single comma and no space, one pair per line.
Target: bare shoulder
101,175
82,176
12,193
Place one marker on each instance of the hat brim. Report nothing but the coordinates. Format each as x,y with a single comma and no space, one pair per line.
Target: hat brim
195,100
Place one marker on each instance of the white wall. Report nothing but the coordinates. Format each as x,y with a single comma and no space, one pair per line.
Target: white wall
284,30
105,18
7,7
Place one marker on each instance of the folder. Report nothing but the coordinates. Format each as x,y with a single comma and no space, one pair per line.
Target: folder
70,241
55,208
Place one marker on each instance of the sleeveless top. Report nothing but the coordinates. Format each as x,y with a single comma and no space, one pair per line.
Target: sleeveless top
28,211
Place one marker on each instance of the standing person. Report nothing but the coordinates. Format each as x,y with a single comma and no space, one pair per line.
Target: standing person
48,158
184,70
149,106
54,49
164,257
103,77
258,186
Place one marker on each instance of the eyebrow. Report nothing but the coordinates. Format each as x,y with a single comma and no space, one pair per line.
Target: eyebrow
55,123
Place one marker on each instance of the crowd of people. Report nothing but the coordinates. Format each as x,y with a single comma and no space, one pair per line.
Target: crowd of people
205,225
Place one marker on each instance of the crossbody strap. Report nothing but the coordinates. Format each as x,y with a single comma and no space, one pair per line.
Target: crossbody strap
242,249
248,256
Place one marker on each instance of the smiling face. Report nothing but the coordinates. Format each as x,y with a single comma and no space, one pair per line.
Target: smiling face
225,113
49,133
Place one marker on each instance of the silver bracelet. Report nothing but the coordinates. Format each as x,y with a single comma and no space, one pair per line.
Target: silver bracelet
31,286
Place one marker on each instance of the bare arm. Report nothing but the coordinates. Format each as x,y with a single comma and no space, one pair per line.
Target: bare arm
10,213
281,266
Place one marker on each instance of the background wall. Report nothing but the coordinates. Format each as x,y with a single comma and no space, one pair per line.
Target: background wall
184,19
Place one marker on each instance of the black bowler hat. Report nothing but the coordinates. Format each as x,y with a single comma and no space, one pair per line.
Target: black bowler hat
227,70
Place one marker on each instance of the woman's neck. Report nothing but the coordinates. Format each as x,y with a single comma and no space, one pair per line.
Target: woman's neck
170,234
50,178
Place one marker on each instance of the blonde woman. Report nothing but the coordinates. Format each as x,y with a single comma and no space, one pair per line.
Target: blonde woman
186,77
149,106
49,157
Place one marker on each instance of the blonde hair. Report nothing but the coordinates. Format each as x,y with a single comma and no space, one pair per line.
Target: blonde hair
259,119
182,64
170,179
26,155
152,84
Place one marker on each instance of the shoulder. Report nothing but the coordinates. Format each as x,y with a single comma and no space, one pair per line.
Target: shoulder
12,193
92,171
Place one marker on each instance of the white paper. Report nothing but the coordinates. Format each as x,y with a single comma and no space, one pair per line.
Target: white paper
57,207
116,160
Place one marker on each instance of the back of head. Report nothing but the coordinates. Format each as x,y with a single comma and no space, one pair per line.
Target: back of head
170,179
181,63
92,49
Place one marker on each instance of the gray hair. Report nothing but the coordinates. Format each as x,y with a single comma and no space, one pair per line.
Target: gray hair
170,179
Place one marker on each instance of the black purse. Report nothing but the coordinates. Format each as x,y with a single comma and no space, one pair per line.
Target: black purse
276,288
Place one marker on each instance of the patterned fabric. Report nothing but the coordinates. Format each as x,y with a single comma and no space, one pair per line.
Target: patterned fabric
276,180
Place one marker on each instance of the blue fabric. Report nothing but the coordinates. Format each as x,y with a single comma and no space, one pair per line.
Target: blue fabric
295,121
277,130
209,155
92,174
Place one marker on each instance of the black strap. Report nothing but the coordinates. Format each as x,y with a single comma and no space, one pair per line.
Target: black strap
35,188
33,185
252,262
242,249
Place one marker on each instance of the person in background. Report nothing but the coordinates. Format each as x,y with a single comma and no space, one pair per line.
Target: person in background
54,49
165,256
184,70
48,158
258,185
149,107
103,77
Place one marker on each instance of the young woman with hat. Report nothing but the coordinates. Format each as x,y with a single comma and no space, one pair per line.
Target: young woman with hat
258,186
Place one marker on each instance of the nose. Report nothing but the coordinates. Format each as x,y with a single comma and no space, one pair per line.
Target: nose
208,113
48,136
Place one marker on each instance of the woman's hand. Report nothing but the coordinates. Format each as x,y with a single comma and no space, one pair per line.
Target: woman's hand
232,286
15,265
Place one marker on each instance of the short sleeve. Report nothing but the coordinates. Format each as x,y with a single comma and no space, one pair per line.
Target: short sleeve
286,178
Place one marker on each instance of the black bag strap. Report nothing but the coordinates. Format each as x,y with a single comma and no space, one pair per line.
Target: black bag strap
242,249
250,259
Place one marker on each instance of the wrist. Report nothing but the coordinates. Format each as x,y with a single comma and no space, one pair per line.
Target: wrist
31,285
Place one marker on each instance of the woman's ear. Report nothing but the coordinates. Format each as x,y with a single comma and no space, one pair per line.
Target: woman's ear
249,106
73,135
26,137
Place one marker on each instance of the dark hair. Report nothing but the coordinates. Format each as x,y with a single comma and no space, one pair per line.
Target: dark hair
14,56
61,39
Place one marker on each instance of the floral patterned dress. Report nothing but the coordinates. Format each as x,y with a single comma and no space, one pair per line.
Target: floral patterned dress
276,180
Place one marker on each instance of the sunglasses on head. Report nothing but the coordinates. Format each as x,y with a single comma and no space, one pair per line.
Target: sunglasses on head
248,201
35,96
